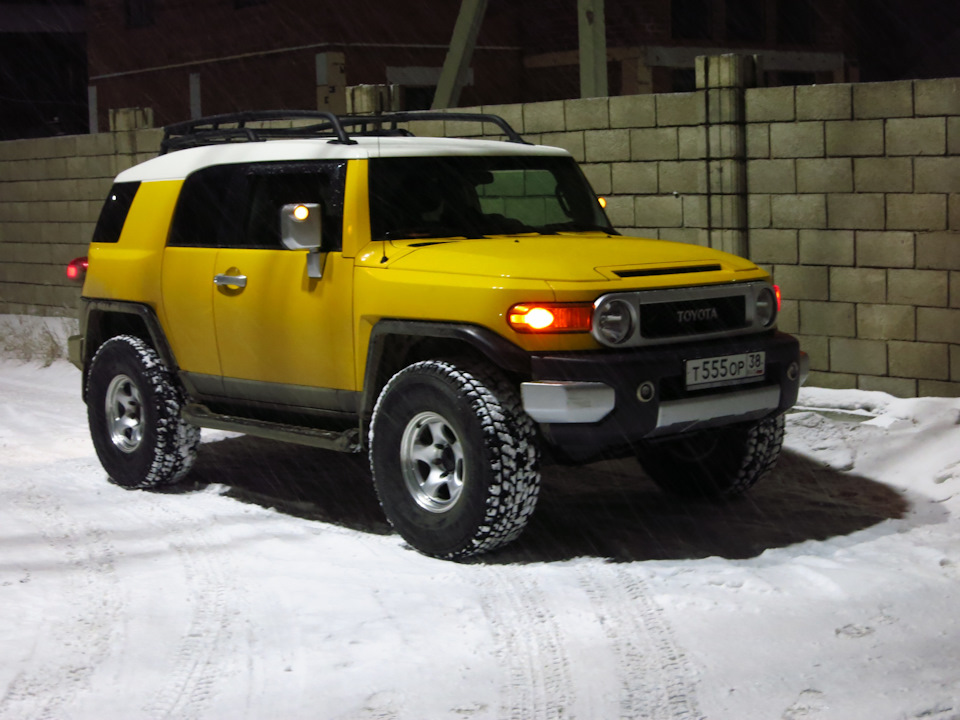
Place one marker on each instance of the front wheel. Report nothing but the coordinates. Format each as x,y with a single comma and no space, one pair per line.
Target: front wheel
454,459
133,408
716,464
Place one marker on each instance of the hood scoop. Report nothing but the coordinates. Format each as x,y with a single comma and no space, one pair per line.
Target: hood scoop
651,272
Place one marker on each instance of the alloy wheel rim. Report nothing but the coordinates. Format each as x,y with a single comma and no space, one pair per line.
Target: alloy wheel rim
432,462
124,414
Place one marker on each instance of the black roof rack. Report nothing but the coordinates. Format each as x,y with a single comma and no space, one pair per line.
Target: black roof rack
232,127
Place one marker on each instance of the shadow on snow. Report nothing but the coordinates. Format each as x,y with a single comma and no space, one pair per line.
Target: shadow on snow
608,510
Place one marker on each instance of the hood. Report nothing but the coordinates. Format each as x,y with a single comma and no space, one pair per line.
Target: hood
565,258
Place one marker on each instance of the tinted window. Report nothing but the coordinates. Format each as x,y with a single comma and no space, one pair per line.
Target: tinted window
477,196
202,213
114,212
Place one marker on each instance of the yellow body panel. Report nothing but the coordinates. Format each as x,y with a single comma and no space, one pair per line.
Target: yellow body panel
187,309
127,270
285,327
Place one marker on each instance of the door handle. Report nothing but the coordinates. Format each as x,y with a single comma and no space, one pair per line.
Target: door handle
230,280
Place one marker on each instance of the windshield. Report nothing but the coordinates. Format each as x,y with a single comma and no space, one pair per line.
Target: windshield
476,196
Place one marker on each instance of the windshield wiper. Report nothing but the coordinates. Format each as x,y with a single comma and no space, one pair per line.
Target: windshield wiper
575,226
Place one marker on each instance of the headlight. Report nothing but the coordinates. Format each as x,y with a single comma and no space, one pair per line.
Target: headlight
614,321
766,307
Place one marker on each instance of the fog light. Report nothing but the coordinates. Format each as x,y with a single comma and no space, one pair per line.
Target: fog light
646,392
793,371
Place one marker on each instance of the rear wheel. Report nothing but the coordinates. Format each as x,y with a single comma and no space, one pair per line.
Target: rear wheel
454,458
716,464
133,408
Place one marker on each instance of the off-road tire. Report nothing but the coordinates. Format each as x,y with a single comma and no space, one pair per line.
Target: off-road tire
454,458
133,408
715,464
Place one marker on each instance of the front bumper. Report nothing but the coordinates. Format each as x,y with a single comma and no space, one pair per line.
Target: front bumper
594,403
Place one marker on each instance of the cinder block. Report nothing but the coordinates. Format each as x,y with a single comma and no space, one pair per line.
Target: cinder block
825,102
937,388
955,363
674,109
690,236
758,211
637,178
801,282
930,361
898,387
727,176
940,250
886,322
797,140
827,247
832,319
148,140
620,210
772,176
938,325
855,211
835,381
788,320
883,100
770,104
954,204
774,247
937,174
955,289
572,142
916,212
726,212
866,285
633,111
758,141
658,211
917,287
799,211
855,138
695,211
654,144
682,177
693,142
885,249
883,174
587,113
543,117
724,106
953,136
513,114
824,175
599,177
937,97
867,357
916,136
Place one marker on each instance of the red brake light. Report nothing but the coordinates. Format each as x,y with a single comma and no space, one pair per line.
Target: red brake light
77,268
551,317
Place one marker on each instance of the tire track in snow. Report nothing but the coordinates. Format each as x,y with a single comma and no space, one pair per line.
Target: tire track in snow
190,684
85,638
655,678
530,642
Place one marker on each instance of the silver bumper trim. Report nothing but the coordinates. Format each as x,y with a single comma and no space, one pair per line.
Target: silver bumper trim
677,415
567,402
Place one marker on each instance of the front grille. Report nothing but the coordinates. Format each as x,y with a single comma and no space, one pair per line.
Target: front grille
692,317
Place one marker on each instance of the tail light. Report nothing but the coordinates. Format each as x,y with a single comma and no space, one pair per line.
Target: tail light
77,269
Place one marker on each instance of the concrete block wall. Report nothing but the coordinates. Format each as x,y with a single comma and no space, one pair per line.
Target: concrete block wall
854,206
51,192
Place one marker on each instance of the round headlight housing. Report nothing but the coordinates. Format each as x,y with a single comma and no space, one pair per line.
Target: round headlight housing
614,321
766,307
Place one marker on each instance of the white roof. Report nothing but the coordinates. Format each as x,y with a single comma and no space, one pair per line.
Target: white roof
177,165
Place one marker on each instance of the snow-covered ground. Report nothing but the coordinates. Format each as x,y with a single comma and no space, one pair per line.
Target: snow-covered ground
271,587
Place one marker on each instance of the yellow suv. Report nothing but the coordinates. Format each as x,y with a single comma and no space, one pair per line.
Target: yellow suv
455,308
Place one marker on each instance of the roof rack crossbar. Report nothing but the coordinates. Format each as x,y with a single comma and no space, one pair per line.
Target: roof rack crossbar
232,127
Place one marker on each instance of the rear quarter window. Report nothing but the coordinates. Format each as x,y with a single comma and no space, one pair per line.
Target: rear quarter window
114,212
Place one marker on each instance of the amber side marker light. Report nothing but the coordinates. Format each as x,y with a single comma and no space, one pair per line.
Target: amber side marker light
550,317
77,268
603,202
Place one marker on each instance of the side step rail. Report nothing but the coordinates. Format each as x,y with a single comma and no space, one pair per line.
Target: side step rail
345,441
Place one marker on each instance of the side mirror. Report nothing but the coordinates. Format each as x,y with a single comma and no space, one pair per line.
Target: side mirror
300,229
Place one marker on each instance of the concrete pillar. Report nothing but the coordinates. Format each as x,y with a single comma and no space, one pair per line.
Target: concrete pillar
723,81
593,48
459,56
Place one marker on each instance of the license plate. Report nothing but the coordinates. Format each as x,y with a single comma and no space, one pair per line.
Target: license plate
726,369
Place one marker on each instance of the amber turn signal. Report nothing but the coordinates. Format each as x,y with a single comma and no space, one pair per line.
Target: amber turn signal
550,317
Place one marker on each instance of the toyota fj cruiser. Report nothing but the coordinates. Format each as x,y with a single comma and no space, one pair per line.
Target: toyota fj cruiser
452,307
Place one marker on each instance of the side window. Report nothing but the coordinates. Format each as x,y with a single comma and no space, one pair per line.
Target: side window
267,188
203,216
114,212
